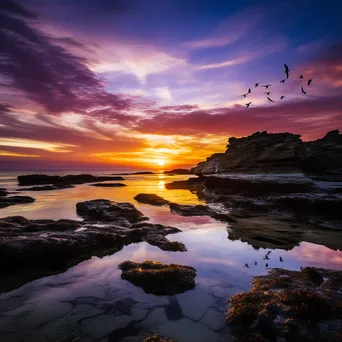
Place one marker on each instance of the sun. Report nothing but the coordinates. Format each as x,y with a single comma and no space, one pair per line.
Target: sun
160,162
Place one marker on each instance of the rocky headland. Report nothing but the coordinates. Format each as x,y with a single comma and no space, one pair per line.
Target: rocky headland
279,153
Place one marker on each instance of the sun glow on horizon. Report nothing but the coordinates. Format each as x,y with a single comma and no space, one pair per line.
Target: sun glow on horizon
160,162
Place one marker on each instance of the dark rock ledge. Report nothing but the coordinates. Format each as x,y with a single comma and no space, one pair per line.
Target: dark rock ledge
30,249
158,338
289,306
159,279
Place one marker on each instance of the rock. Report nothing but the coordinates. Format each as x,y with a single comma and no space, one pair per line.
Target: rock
260,152
190,184
323,156
158,338
177,172
288,306
255,187
134,173
3,192
191,210
264,152
108,211
38,179
47,187
159,279
152,199
32,249
108,185
13,200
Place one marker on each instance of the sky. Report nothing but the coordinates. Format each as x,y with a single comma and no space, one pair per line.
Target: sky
141,84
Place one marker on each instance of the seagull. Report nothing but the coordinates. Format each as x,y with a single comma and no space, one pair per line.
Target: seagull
267,93
301,76
267,85
309,81
304,92
266,257
282,97
269,252
286,70
248,104
256,84
246,265
244,95
282,81
270,100
249,91
255,263
281,259
266,265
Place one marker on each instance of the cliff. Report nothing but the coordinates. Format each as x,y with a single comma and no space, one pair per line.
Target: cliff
276,152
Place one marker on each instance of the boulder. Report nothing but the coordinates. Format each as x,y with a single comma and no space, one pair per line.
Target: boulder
13,200
47,187
191,210
289,306
159,279
152,199
39,179
109,211
3,192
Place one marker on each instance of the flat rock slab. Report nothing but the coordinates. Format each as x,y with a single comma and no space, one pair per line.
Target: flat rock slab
39,179
289,306
151,199
109,211
47,187
158,338
108,185
159,279
12,200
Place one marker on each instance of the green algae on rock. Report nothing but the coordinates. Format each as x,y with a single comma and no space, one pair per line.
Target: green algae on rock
159,279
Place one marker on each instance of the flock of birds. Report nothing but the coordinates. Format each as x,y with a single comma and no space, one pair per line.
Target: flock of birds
266,86
265,258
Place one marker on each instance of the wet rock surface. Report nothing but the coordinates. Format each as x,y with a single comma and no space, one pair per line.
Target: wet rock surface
159,279
109,211
31,249
289,306
109,185
7,201
47,187
3,192
40,179
158,338
151,199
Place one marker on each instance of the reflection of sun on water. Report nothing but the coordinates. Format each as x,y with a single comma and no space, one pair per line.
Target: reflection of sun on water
161,185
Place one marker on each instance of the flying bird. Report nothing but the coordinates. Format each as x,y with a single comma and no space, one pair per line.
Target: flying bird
270,100
267,85
286,71
246,265
304,92
269,252
281,259
256,84
266,257
244,95
255,263
248,104
266,265
309,81
249,91
267,93
301,76
282,81
281,97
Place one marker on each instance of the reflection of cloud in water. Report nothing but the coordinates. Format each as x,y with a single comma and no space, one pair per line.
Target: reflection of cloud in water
317,255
